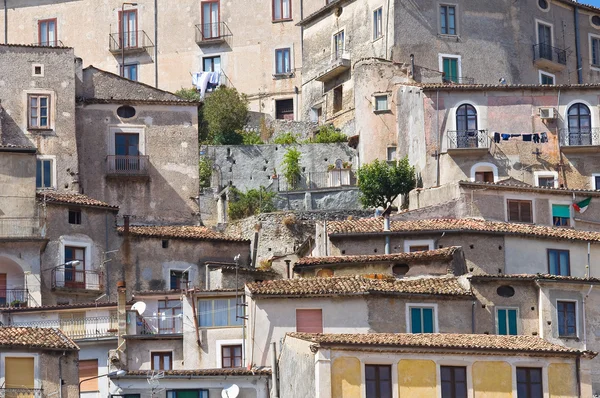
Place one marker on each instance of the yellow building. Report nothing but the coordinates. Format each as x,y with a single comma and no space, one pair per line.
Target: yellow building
430,365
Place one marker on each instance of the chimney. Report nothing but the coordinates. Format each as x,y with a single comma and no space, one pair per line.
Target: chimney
125,230
122,313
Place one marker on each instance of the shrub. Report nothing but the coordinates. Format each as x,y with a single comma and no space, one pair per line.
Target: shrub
265,264
190,94
289,221
251,138
328,134
205,172
291,167
252,202
286,139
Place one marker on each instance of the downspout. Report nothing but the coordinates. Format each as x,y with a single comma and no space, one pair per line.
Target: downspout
584,302
106,251
577,45
196,326
540,307
437,131
274,370
473,318
386,228
156,43
387,25
206,278
5,23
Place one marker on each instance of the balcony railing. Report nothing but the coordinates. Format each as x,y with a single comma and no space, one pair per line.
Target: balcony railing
468,139
14,298
19,227
545,52
332,65
131,41
579,137
127,165
210,33
83,328
319,180
458,80
157,325
51,43
77,279
21,393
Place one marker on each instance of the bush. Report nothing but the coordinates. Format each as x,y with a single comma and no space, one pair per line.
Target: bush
190,94
286,139
252,202
289,221
225,112
205,172
251,138
291,166
327,135
265,264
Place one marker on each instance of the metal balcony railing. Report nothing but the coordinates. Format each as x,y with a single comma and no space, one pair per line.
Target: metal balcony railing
51,43
150,325
19,227
468,139
14,298
543,51
127,165
21,393
207,33
458,80
83,328
579,137
77,279
130,41
319,180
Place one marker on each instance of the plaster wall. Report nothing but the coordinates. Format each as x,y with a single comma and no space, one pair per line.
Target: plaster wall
21,260
250,386
17,179
139,353
296,369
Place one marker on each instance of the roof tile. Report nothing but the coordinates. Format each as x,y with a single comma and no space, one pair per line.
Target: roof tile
208,372
438,254
190,232
74,199
43,338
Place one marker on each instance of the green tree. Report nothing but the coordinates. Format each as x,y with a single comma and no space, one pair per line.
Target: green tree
205,171
291,167
381,183
328,134
286,139
246,204
225,112
251,138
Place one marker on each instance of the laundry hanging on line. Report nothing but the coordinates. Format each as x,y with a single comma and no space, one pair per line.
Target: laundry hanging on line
205,80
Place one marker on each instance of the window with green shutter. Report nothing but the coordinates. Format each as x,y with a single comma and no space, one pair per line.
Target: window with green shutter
507,321
561,215
422,319
450,66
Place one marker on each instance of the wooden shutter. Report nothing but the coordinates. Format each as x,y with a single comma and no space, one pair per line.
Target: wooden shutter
526,214
309,321
2,287
88,368
513,210
19,372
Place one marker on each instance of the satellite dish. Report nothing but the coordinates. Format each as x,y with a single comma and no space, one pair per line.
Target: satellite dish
140,307
231,391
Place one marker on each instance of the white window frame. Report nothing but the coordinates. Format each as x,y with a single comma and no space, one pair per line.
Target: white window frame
545,173
219,345
374,359
456,26
37,382
564,203
180,268
420,242
387,102
340,30
577,328
484,164
537,30
518,318
126,129
137,71
459,58
33,66
445,361
85,243
594,187
283,47
53,171
51,104
519,197
592,36
434,306
541,72
461,103
373,37
388,153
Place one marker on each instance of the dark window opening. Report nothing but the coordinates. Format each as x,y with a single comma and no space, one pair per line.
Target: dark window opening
337,99
596,20
179,280
567,318
505,291
559,262
529,383
400,269
378,380
543,4
284,109
519,211
126,111
74,216
165,243
484,176
454,381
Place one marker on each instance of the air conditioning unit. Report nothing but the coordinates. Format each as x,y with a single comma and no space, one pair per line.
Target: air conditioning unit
547,113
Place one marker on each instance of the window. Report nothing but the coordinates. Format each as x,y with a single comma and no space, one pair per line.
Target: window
284,109
546,182
179,279
546,78
567,318
162,360
211,64
418,248
282,61
381,103
282,10
411,246
37,70
39,111
466,118
218,312
128,28
561,215
309,321
44,177
47,35
126,111
450,69
169,316
187,394
19,372
391,154
130,71
210,20
484,176
595,49
507,321
529,383
596,179
543,4
75,275
558,262
421,319
231,356
545,41
165,243
519,210
378,380
316,113
337,99
74,216
580,124
447,20
378,23
338,44
88,368
454,381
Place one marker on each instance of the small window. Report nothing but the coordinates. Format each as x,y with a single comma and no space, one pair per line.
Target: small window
559,262
126,111
179,279
130,71
543,4
37,70
421,319
309,321
44,178
484,176
316,113
546,182
567,318
391,154
381,103
596,20
211,64
283,61
39,111
378,381
597,182
74,216
325,273
418,248
546,78
447,20
162,361
529,383
400,269
282,10
561,215
507,321
595,45
505,291
231,356
187,393
454,381
378,23
337,99
519,211
284,109
165,243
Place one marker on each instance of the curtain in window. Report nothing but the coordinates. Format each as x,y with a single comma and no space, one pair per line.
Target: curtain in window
221,312
205,313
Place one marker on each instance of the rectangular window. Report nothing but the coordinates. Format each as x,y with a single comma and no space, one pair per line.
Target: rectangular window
284,109
211,64
454,381
519,210
74,216
559,262
337,99
47,35
218,313
210,20
130,72
39,111
19,372
178,280
595,45
381,103
187,394
338,44
88,368
378,23
282,61
231,356
447,20
507,321
545,41
162,360
546,182
282,10
169,316
378,381
44,177
561,215
309,321
529,383
421,319
597,182
546,78
567,318
450,69
128,31
391,154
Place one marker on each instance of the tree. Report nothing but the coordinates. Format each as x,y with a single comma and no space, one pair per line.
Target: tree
381,183
205,171
254,201
225,112
291,167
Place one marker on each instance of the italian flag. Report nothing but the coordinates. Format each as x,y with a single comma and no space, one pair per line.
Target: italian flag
583,205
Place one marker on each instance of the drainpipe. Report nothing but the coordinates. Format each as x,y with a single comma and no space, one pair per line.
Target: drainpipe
274,370
206,278
122,315
577,45
473,317
287,267
156,43
439,141
540,307
5,23
196,326
412,66
386,228
584,317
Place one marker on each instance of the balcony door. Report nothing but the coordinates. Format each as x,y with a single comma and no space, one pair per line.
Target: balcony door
75,275
128,29
127,151
210,19
466,127
545,40
580,124
47,32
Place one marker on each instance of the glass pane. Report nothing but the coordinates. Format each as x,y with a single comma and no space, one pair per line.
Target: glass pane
47,164
371,389
461,390
502,322
217,64
277,9
205,313
521,375
451,21
386,389
155,362
535,375
370,372
233,320
385,373
447,389
564,263
226,362
221,312
460,374
381,102
446,373
553,262
286,8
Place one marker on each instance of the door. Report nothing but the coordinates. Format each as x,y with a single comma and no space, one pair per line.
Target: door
210,19
127,151
3,300
75,275
545,41
128,29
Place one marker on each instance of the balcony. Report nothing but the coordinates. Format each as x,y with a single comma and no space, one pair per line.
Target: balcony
20,227
212,33
459,80
550,58
52,43
135,41
125,165
468,141
338,63
77,329
580,140
77,280
152,327
21,393
15,298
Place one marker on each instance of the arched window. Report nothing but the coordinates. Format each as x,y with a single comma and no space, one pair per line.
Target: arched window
579,121
466,118
484,172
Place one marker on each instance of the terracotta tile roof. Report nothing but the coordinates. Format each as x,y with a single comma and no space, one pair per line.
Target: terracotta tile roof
17,148
534,277
477,342
46,308
526,187
438,254
375,225
73,199
180,232
502,87
43,338
208,372
357,285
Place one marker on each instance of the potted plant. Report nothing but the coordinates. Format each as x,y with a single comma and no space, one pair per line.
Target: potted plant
17,303
274,176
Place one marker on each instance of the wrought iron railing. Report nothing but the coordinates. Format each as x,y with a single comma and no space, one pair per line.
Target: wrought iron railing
14,298
50,43
21,393
83,328
579,137
210,32
546,51
19,227
458,80
133,40
127,165
468,139
149,325
318,180
77,279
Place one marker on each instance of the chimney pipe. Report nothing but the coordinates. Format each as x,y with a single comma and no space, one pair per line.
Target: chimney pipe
287,266
386,228
125,228
122,313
